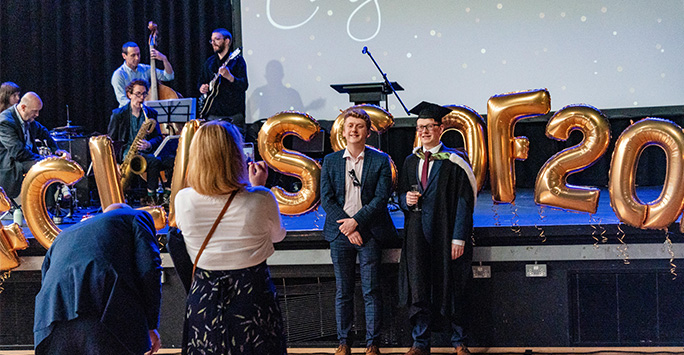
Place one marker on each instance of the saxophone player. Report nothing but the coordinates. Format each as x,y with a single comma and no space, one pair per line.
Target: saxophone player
124,126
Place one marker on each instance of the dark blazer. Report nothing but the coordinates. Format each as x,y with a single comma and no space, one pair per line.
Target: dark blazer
13,149
376,184
120,125
411,176
107,267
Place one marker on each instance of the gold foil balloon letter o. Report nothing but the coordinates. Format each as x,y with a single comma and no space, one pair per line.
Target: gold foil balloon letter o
381,121
471,126
551,188
290,162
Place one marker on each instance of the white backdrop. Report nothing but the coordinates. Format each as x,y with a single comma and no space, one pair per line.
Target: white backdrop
605,53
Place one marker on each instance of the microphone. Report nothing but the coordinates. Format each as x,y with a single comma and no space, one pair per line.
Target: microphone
364,50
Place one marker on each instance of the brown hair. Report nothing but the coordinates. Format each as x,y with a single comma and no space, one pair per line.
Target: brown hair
7,89
358,113
137,82
216,165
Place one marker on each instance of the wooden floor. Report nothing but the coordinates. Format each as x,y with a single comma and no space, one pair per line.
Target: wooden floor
499,351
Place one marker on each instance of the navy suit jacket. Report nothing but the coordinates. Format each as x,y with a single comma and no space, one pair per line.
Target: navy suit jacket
106,267
13,149
411,176
376,184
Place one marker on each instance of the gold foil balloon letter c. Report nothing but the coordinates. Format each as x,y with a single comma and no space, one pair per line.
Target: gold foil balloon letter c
290,162
42,174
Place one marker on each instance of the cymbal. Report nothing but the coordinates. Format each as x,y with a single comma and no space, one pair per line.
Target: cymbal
69,128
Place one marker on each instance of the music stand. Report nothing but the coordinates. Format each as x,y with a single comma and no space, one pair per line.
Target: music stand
173,110
367,93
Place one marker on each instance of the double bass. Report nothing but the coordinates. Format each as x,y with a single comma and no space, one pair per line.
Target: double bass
157,90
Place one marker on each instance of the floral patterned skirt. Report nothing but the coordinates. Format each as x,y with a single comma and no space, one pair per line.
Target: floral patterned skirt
234,312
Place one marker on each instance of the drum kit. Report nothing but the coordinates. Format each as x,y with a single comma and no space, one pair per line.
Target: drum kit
66,197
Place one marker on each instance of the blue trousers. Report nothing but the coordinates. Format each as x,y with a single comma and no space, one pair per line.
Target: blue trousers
344,255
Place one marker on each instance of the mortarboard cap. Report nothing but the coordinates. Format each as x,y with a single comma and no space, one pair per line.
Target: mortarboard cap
429,110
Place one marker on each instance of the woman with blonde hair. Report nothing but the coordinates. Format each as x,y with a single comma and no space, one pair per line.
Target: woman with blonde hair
9,95
232,307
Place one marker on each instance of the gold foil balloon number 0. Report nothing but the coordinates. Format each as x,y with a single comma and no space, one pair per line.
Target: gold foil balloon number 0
663,211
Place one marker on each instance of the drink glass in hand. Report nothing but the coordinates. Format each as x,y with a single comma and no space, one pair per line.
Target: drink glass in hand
416,207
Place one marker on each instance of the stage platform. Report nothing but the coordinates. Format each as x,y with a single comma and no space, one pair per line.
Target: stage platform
439,351
603,284
522,223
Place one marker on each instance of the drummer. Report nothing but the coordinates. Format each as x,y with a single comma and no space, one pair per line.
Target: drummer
20,138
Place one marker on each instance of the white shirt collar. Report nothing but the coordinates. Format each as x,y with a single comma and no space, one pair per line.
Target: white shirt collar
348,155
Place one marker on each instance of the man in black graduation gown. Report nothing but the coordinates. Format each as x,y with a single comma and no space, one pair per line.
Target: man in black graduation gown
438,199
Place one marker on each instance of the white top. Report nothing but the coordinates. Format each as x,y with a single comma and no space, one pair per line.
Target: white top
243,238
352,194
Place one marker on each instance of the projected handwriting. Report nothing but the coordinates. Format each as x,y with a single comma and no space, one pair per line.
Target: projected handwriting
315,11
283,27
377,29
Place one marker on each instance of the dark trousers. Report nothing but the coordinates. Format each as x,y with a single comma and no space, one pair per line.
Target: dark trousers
81,336
423,315
155,165
343,255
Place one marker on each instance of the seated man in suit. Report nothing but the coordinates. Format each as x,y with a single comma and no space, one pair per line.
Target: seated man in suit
355,186
101,287
124,126
19,132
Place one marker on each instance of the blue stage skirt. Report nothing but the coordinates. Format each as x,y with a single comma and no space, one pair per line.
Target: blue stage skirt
234,312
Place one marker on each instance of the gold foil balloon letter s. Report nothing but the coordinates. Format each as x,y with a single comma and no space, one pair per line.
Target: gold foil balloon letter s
290,162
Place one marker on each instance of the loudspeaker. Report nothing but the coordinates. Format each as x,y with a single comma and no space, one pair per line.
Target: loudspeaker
78,148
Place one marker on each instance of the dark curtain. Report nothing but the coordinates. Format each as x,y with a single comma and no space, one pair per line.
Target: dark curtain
67,50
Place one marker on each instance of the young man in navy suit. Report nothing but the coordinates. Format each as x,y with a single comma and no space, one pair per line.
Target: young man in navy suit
437,192
355,187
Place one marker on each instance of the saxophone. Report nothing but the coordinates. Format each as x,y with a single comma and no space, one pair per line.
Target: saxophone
135,163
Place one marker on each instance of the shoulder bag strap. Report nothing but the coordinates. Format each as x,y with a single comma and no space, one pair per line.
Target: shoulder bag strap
211,232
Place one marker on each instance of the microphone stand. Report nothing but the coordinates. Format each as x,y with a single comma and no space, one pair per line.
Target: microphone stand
387,82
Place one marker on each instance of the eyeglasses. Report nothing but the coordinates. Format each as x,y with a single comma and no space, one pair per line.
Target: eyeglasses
426,127
215,40
355,180
140,94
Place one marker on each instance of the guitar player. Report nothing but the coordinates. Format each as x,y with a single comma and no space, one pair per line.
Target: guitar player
228,92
